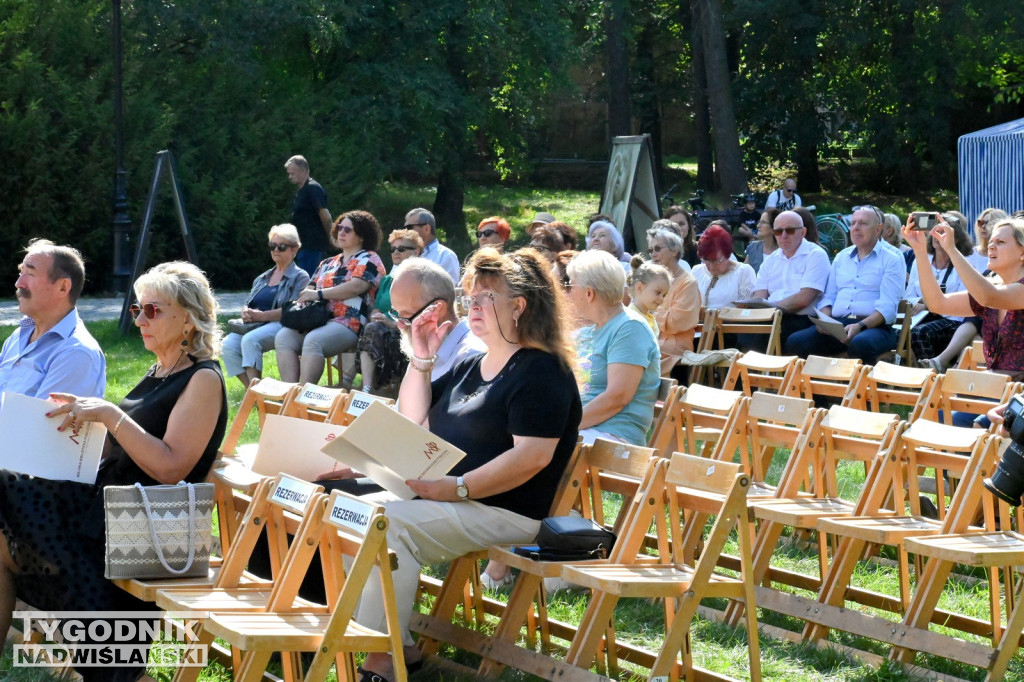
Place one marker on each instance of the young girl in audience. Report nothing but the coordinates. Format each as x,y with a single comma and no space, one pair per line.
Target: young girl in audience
648,284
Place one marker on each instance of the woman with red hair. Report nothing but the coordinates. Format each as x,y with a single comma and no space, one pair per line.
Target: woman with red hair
721,279
493,232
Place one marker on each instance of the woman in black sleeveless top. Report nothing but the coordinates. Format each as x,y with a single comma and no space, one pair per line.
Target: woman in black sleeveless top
167,429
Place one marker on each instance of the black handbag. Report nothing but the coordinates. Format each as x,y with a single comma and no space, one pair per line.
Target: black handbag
569,538
236,326
305,318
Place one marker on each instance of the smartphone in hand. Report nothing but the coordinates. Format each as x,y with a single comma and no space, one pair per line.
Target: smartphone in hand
925,220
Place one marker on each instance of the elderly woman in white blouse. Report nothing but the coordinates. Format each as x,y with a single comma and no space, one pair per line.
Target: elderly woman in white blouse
721,279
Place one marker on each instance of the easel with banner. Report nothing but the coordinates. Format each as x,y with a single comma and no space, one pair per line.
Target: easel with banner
630,191
164,166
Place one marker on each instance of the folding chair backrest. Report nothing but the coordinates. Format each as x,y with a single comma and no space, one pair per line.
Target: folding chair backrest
852,435
827,377
694,413
279,506
972,357
776,422
265,396
949,450
767,321
903,350
313,402
753,370
346,411
963,390
888,384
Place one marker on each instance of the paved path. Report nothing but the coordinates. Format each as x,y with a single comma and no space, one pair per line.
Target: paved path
92,309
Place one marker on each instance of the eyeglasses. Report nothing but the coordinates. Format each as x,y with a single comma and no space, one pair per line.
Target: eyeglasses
655,249
484,234
788,230
477,301
407,321
709,261
868,207
411,226
344,229
150,310
402,249
279,246
787,190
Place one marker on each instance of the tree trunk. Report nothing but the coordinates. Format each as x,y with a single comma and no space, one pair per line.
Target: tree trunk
647,97
617,54
701,115
448,204
723,113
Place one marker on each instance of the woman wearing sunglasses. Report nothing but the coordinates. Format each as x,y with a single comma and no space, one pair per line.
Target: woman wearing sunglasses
165,430
243,353
380,354
493,232
679,314
348,283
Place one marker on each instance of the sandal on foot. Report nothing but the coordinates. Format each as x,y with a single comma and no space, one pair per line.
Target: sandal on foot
932,363
368,676
496,583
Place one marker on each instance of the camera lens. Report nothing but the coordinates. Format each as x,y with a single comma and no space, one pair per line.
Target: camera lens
1007,482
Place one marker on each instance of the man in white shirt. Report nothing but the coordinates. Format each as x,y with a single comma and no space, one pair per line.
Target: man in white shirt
422,220
864,289
785,199
792,278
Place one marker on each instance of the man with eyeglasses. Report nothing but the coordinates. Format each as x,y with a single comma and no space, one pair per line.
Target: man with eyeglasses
785,199
865,285
420,287
309,215
792,278
51,351
422,220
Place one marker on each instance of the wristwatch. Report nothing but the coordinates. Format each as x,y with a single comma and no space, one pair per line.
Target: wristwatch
460,488
862,326
320,294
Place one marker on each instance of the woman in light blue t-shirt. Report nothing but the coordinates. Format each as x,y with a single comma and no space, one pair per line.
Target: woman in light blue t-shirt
618,353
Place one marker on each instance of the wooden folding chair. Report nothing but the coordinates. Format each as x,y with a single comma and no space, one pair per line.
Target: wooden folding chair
972,357
766,321
753,370
584,493
973,392
903,354
264,396
925,444
694,414
998,551
688,575
282,507
346,411
357,537
885,385
808,489
829,378
313,402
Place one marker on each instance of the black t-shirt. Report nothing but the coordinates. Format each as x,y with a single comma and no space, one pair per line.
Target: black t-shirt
310,198
749,219
533,395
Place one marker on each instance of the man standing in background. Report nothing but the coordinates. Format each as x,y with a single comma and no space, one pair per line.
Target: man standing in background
309,215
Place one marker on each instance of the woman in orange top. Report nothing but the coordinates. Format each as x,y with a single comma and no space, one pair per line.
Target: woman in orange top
679,315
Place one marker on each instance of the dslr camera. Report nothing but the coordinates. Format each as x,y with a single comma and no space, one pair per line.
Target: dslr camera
1007,482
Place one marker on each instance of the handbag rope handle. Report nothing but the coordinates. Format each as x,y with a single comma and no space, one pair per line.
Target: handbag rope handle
191,528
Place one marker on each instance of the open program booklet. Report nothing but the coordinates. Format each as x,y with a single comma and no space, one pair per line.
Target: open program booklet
33,445
829,325
392,449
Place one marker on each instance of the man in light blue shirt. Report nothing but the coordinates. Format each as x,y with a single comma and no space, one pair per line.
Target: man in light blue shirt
422,220
51,351
864,289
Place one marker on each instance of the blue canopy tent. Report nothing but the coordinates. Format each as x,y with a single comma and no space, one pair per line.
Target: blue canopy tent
991,166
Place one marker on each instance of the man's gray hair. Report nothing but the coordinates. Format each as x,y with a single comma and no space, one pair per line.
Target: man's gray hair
299,161
422,215
67,262
433,280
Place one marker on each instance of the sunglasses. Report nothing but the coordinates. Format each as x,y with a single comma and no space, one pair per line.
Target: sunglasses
279,247
411,226
484,234
150,310
787,230
868,207
344,229
402,249
789,191
407,321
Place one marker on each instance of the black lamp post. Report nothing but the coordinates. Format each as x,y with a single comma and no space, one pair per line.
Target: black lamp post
122,223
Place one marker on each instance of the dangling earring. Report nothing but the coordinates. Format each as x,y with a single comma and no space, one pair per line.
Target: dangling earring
184,341
516,320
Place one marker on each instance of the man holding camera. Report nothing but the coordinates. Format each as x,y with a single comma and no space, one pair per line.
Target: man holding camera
864,289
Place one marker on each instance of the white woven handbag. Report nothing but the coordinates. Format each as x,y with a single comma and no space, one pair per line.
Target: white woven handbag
159,531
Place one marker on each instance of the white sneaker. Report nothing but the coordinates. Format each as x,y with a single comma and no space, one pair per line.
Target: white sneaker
496,583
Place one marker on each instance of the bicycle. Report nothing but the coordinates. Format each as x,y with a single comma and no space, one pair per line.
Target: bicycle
833,232
703,216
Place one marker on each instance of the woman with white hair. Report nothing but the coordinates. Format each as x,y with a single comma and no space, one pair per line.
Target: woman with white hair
606,237
679,315
618,353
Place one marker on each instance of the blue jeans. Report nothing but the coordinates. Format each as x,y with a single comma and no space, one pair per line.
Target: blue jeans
308,259
866,345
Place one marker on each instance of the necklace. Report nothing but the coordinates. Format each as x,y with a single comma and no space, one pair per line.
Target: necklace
171,371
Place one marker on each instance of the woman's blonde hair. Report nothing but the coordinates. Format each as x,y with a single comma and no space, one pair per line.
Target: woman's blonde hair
544,323
409,235
186,285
